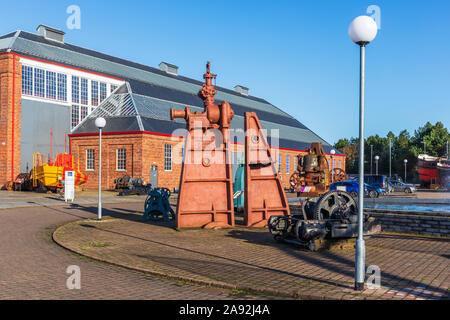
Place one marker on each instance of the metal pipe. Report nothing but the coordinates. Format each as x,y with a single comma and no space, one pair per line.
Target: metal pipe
390,157
405,172
360,247
100,176
371,157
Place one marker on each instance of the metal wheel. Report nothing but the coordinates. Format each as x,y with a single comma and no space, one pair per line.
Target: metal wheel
407,190
373,194
335,205
339,175
354,194
294,180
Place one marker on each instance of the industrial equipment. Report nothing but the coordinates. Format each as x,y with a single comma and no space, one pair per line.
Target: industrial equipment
127,185
333,215
50,175
313,176
263,193
157,206
206,192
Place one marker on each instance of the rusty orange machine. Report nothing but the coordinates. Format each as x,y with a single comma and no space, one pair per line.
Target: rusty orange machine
206,191
313,176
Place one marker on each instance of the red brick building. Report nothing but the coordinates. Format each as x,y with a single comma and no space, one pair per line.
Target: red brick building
48,85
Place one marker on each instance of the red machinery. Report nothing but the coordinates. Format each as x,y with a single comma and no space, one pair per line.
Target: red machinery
206,193
263,193
313,177
206,190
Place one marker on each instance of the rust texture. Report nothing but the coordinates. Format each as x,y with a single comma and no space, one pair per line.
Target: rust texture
206,194
313,176
263,193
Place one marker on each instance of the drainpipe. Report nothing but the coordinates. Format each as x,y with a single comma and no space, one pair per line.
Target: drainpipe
13,116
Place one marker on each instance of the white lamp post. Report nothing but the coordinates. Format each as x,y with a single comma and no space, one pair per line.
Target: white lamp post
405,161
100,124
376,164
362,31
333,152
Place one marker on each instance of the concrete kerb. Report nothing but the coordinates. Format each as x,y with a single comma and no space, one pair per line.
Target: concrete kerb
217,284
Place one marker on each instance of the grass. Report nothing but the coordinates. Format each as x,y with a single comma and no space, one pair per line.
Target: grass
98,244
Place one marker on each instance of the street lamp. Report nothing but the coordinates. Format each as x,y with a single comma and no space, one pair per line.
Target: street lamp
390,157
371,157
362,31
376,164
405,161
100,124
333,152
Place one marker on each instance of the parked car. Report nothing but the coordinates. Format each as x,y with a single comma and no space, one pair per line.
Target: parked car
374,191
352,187
377,180
403,187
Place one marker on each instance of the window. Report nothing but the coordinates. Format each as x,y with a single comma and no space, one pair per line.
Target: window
84,112
50,78
84,91
334,164
90,159
295,163
62,87
339,163
279,162
168,157
121,164
287,163
27,80
94,93
113,87
75,117
102,91
182,154
75,89
39,82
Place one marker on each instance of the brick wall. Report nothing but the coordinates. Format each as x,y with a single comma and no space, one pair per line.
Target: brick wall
10,72
423,223
146,150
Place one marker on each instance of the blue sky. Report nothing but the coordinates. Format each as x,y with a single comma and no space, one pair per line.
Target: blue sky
295,54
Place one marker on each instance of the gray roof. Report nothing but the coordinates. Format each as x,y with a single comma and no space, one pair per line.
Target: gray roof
151,92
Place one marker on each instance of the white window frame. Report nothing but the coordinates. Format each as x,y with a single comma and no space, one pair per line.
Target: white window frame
88,160
121,160
167,157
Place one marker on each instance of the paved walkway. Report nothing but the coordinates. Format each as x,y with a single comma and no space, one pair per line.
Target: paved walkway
412,267
32,266
16,199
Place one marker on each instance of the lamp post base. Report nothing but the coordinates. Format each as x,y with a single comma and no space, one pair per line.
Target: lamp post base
359,286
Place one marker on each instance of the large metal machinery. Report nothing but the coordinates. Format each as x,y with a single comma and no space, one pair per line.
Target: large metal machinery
206,193
263,193
334,215
313,176
205,198
157,206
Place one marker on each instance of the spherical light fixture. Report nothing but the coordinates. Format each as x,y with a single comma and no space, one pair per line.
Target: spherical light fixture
333,151
405,161
100,122
377,158
362,30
